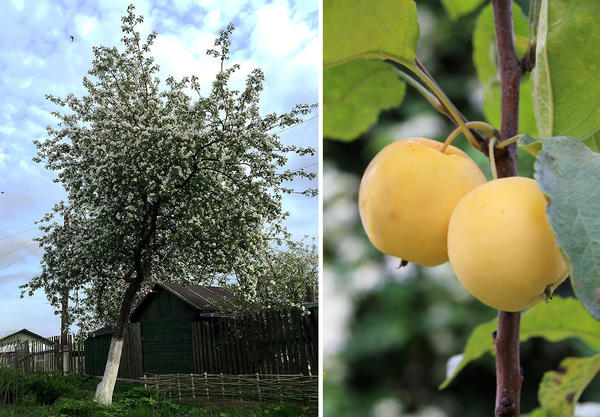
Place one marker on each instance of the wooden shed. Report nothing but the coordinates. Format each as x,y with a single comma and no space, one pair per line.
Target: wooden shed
182,329
166,316
96,352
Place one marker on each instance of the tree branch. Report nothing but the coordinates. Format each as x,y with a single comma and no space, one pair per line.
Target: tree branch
510,79
506,339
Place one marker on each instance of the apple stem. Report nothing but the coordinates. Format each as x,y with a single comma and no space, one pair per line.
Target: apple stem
485,127
491,144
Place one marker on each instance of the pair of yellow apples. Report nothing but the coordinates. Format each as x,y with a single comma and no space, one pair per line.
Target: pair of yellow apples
428,207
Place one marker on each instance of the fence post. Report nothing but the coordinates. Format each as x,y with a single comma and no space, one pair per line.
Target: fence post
206,384
193,392
240,388
16,359
179,387
156,377
145,382
258,388
280,389
222,385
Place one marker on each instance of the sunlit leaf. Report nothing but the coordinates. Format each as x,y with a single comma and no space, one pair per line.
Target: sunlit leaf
358,36
486,64
354,93
459,8
538,412
559,390
363,29
557,320
565,78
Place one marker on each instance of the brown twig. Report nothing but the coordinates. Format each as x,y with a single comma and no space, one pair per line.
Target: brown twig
506,339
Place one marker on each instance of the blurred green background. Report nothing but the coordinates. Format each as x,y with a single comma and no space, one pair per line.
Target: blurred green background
389,333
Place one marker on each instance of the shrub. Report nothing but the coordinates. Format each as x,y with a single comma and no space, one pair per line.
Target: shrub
77,408
11,385
47,388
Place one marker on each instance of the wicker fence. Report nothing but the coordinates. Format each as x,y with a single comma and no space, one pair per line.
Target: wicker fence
239,389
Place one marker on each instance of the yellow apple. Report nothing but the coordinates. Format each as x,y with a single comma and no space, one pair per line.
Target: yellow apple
501,246
407,195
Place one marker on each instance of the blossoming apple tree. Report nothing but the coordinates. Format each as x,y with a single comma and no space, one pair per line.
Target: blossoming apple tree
163,183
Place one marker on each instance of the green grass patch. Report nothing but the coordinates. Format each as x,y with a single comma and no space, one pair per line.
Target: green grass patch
55,395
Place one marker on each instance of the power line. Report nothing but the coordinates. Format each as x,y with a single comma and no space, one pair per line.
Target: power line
296,125
18,233
14,262
310,165
28,245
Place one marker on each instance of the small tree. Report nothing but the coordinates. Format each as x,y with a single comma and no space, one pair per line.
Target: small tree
160,185
282,277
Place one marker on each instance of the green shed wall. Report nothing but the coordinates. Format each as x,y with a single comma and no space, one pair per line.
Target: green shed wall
166,323
96,353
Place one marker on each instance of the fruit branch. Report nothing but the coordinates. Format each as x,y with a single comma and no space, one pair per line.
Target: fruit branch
488,129
506,339
451,111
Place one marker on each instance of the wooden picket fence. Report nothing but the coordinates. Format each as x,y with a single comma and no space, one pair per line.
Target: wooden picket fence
237,389
45,356
277,342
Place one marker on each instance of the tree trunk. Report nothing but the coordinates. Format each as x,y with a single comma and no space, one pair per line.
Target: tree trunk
105,388
506,339
64,334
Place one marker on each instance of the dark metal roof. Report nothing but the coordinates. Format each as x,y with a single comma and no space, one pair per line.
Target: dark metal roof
203,298
103,331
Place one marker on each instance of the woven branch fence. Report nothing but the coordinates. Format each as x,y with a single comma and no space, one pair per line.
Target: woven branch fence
251,388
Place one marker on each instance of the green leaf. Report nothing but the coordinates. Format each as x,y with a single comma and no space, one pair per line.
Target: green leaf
491,106
383,29
486,64
479,343
358,36
567,171
566,77
559,390
538,412
531,145
557,320
593,142
459,8
354,93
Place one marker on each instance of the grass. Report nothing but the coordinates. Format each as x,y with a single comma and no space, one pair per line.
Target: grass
64,396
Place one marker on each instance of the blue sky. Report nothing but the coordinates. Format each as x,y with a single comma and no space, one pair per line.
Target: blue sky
38,58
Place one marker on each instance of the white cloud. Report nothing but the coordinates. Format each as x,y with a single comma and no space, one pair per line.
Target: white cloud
7,130
277,33
19,4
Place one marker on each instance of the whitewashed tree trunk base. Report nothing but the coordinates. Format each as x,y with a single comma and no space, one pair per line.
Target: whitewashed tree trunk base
105,388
